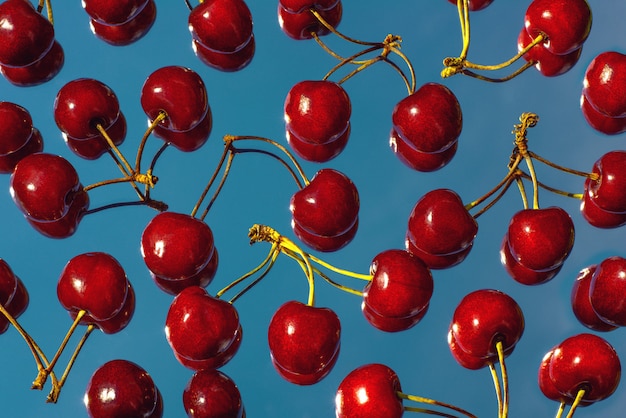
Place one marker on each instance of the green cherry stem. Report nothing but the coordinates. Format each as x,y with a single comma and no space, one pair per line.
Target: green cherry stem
420,399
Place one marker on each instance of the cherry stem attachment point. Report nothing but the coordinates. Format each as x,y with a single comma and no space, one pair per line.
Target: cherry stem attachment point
420,399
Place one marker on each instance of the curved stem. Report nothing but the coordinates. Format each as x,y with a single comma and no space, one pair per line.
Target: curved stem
504,189
578,196
272,260
333,30
592,176
497,387
142,144
155,204
511,174
428,401
472,74
540,38
366,277
505,379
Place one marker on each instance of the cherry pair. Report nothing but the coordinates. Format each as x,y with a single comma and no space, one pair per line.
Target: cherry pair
120,23
19,137
222,35
603,203
211,394
29,53
298,20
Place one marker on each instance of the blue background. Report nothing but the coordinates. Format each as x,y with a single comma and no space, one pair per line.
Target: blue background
250,102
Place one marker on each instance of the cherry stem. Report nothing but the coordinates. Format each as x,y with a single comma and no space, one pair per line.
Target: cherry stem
522,191
420,399
592,176
497,387
559,412
505,379
554,190
579,397
142,144
510,175
155,204
228,150
48,6
527,120
333,30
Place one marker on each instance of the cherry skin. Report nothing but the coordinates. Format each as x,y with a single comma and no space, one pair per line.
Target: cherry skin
214,362
121,388
319,153
483,318
519,272
128,32
595,215
225,61
43,186
400,289
325,243
303,24
565,23
430,120
603,85
418,160
66,225
581,303
191,140
367,391
328,207
33,145
117,322
13,295
178,91
606,291
297,6
546,62
466,360
599,121
176,246
541,239
82,104
16,127
437,261
585,361
111,13
94,147
221,25
304,342
25,35
39,72
202,279
607,191
212,394
200,327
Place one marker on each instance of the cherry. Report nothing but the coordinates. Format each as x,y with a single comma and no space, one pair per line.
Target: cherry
203,278
212,394
43,186
595,215
200,327
190,140
565,23
94,147
603,85
585,361
121,388
13,294
483,318
318,153
467,360
429,120
599,121
606,291
25,35
33,144
400,290
440,226
418,160
541,239
324,243
546,62
38,72
214,362
221,25
519,272
128,32
225,61
109,12
176,246
68,223
327,207
607,190
83,104
299,23
177,91
117,322
297,6
304,342
317,112
16,127
367,391
581,303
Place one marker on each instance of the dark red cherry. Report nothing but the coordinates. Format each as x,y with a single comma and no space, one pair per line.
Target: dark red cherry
128,32
581,303
43,186
599,121
228,62
176,246
368,391
13,295
212,394
117,322
400,289
607,191
83,104
121,388
66,225
25,35
214,362
483,318
585,361
434,261
541,239
297,6
40,71
200,327
319,153
325,243
466,360
16,127
190,140
221,25
112,13
94,147
607,291
328,206
304,342
202,279
605,83
303,24
595,215
546,62
418,160
178,91
430,119
519,272
33,144
565,23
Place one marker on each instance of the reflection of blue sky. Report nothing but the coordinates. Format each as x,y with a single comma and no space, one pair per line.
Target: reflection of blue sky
258,191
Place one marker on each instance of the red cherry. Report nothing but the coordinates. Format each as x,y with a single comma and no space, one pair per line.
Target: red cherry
466,360
38,72
13,295
33,144
212,394
435,262
607,191
200,327
418,160
317,112
599,121
25,35
297,6
176,246
585,361
304,342
128,32
368,391
439,225
66,225
94,147
82,104
604,83
214,362
541,239
94,282
483,318
111,13
221,25
565,23
475,5
16,127
546,62
178,91
400,290
606,291
595,215
202,279
190,140
327,207
319,153
121,388
325,243
230,61
519,272
581,303
303,24
43,186
430,119
119,321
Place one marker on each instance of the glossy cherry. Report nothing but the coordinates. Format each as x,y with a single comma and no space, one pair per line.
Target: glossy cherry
212,394
465,359
400,290
221,25
599,121
546,62
604,83
607,191
225,61
304,342
519,272
202,279
13,295
367,391
299,23
606,291
597,216
33,144
130,31
581,303
38,72
109,12
94,147
318,153
418,160
121,388
66,225
16,127
190,140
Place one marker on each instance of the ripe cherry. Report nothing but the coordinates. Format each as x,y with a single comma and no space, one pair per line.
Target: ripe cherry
13,295
299,23
191,140
66,225
212,394
16,127
603,85
597,216
38,72
606,291
418,160
581,303
225,61
109,12
130,31
318,153
607,191
202,279
521,273
546,62
599,121
94,147
33,144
